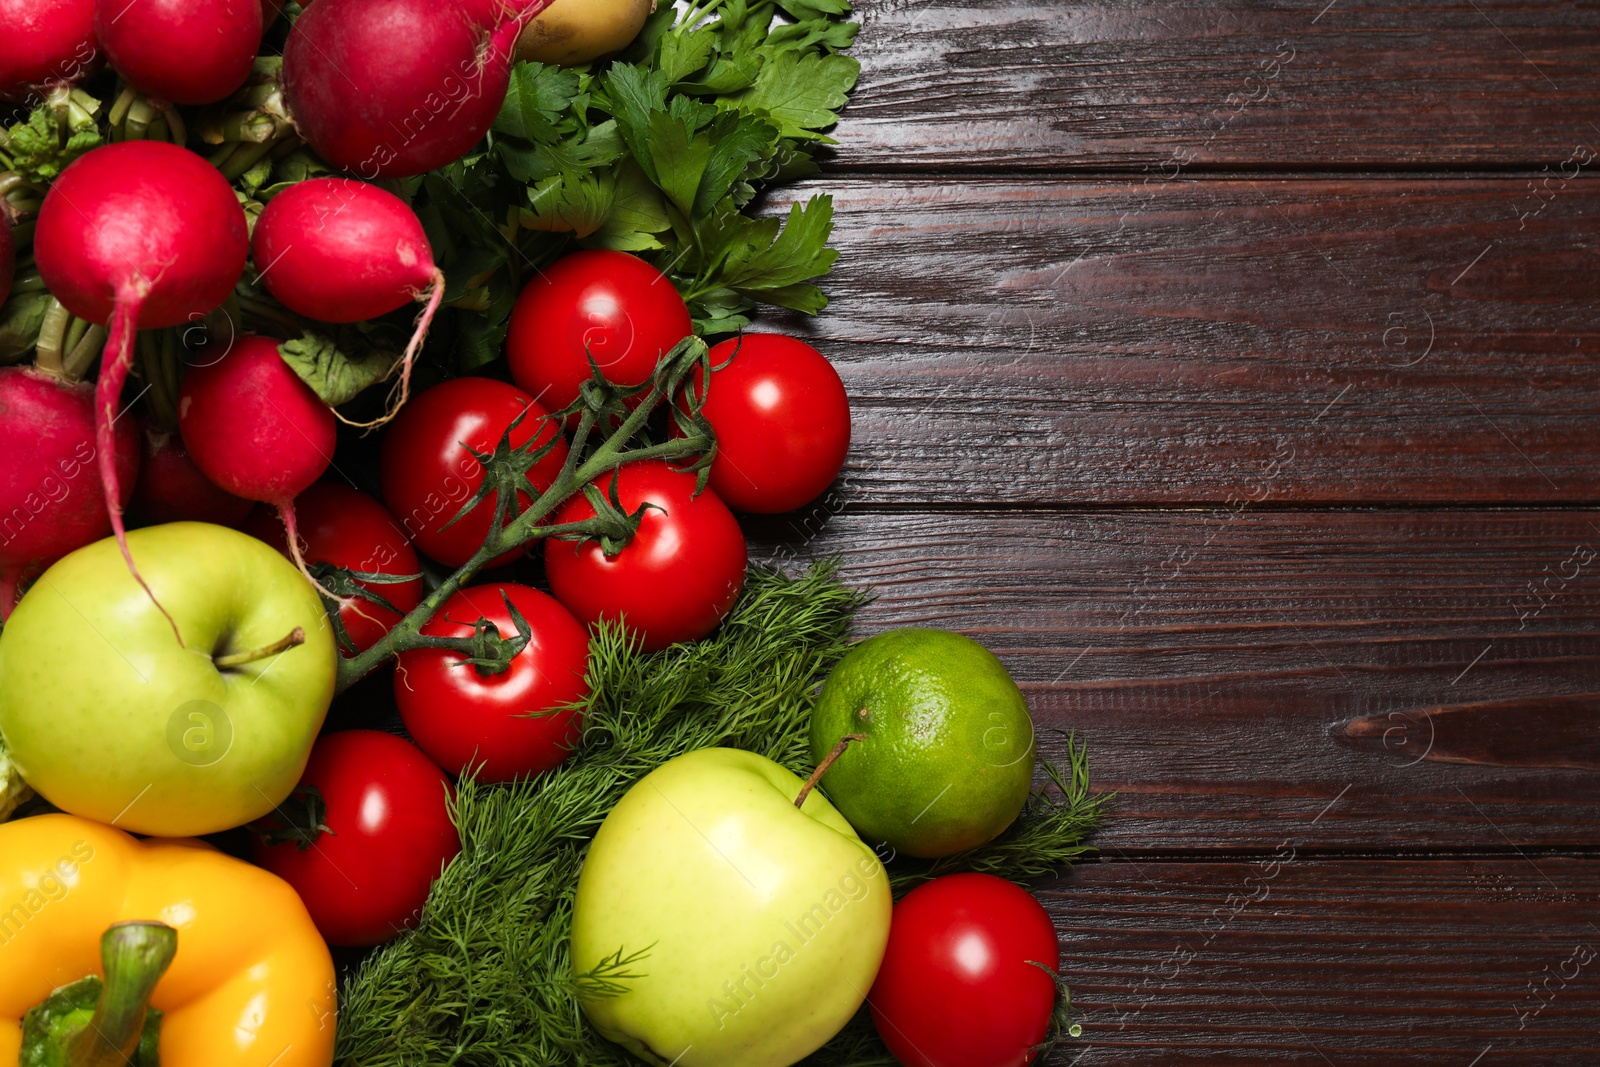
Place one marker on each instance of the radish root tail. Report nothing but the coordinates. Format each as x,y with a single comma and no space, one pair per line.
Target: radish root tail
402,390
291,528
108,398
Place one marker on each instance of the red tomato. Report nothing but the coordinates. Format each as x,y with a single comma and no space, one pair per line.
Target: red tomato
782,421
609,305
675,580
427,473
461,715
956,988
172,489
389,836
349,529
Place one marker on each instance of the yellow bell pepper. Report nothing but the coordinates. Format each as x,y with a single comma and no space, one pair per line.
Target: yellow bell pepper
252,983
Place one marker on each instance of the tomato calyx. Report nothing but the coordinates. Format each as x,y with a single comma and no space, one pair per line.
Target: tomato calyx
1065,1023
340,585
487,651
613,525
505,471
301,819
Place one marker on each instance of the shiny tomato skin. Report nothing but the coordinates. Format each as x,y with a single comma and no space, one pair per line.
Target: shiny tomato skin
675,580
427,474
782,421
956,988
610,305
392,836
462,717
349,529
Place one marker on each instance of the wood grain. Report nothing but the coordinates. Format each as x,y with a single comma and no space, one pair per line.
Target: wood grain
1155,85
1210,657
1538,731
1316,341
1294,960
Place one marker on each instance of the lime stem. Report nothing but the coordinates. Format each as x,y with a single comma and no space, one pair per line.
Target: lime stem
822,768
297,636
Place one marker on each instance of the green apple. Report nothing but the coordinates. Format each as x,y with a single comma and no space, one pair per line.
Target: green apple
108,717
759,926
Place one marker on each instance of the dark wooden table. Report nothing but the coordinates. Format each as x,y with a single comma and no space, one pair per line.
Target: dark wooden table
1233,371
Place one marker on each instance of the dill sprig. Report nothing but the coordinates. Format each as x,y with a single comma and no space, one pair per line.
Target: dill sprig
486,978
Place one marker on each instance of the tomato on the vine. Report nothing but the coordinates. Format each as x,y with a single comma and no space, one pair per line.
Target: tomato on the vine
504,724
428,474
959,986
370,832
782,421
677,577
609,306
347,528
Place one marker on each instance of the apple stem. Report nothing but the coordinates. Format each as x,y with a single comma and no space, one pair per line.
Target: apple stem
297,636
822,768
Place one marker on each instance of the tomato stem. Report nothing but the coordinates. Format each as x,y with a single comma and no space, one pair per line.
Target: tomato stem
509,532
822,768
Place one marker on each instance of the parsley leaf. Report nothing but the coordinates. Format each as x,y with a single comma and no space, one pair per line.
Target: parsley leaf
536,100
801,93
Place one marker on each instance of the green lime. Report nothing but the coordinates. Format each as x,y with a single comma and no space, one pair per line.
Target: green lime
946,760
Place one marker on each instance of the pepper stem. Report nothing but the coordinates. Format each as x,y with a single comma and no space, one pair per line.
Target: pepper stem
822,768
135,956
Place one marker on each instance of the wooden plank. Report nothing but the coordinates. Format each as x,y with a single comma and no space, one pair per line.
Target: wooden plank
1292,960
1161,86
1211,658
1210,341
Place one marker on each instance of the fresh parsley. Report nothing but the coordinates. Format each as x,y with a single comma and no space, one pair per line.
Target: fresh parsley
658,152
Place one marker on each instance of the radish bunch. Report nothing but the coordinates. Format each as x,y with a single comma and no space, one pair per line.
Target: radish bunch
340,250
138,235
141,235
45,43
181,51
256,430
392,88
51,498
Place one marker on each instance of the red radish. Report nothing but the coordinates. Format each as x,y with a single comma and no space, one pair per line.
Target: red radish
255,429
181,51
392,88
46,42
137,236
270,10
51,500
172,489
339,250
